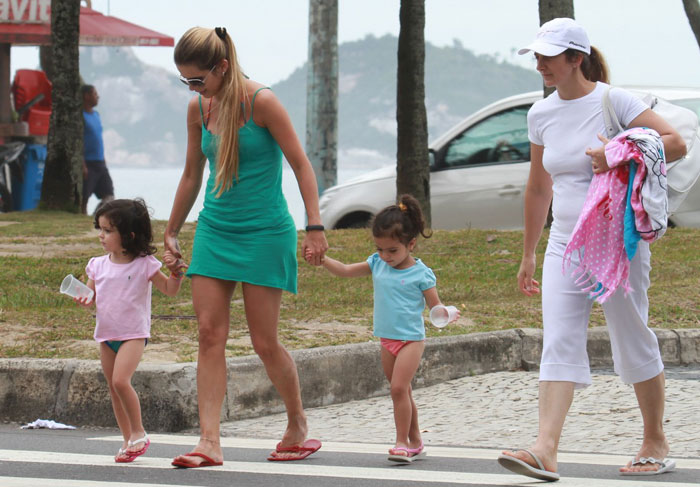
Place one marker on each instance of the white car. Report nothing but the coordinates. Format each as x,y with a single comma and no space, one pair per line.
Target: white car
478,172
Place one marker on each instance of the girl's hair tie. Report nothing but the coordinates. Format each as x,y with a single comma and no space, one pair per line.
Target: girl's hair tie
221,32
402,207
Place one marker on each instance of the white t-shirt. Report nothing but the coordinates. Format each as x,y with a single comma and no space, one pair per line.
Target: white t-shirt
566,128
122,297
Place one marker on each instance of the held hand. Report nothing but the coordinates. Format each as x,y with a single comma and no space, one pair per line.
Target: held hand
598,160
176,266
314,247
169,259
309,257
527,285
172,256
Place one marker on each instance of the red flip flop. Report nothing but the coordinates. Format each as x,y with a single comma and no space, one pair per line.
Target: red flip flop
208,462
302,451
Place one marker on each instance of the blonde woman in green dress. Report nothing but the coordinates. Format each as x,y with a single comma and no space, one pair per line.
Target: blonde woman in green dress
244,232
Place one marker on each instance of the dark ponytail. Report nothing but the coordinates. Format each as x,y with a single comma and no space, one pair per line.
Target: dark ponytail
593,66
403,221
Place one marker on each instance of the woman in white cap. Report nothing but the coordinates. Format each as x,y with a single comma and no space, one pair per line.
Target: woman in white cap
567,148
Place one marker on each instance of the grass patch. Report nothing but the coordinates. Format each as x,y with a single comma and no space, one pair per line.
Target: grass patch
475,270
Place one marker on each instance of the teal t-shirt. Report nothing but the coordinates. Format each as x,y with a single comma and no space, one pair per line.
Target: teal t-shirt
398,299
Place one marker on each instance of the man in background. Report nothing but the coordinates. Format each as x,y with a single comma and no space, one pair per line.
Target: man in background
96,178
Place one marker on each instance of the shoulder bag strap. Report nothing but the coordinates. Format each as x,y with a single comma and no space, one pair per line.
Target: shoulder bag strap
612,123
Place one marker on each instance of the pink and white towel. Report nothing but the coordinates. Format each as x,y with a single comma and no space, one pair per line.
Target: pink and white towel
598,237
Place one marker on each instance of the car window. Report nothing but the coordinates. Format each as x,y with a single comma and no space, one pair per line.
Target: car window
500,138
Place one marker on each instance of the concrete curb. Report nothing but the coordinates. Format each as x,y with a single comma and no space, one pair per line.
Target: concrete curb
75,391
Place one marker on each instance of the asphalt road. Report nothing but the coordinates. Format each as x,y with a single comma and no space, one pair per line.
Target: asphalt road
84,458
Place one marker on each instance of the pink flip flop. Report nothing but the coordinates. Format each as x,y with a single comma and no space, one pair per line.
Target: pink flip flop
122,457
134,454
302,451
411,454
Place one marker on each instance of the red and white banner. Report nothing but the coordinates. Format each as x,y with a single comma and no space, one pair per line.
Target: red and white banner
25,11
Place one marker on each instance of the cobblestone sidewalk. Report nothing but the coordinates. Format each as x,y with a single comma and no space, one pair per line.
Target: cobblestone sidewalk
499,410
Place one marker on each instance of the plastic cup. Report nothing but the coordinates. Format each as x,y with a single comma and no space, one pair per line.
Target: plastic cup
441,315
75,288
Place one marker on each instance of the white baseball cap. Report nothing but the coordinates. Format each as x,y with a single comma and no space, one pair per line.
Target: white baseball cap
558,35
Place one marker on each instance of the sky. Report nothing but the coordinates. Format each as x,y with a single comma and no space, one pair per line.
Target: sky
644,41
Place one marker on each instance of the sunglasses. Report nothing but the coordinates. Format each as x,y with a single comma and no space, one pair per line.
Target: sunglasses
196,82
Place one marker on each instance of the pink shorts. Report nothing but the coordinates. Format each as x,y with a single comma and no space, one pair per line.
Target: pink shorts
394,346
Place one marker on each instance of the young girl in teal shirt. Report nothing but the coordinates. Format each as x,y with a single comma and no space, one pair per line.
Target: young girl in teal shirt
402,287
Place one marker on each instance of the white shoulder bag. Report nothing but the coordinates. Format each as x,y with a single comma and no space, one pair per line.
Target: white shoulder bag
682,173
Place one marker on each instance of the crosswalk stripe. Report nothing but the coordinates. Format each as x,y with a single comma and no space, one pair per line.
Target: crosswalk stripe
39,482
277,468
373,448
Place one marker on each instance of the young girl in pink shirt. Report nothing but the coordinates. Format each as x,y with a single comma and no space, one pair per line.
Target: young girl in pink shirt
122,281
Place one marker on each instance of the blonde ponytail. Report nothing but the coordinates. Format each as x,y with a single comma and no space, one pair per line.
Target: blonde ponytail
205,48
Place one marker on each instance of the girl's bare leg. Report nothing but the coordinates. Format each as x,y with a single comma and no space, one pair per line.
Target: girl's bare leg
107,358
125,364
400,371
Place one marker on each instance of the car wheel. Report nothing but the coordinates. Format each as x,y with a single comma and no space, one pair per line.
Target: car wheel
354,220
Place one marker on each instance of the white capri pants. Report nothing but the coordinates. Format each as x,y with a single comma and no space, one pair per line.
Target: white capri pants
566,310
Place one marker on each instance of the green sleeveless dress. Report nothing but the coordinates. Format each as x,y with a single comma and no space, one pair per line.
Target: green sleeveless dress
247,233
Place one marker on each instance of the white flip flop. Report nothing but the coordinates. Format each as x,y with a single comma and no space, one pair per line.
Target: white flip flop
523,468
665,466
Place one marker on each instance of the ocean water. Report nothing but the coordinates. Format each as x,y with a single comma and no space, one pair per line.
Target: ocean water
157,187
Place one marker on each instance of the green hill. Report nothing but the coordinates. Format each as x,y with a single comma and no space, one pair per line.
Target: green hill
457,83
143,107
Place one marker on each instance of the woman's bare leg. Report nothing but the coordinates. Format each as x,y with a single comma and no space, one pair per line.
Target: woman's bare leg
651,397
212,300
555,401
262,307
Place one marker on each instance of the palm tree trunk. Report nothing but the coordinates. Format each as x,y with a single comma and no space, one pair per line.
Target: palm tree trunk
62,186
412,166
553,9
322,92
692,11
